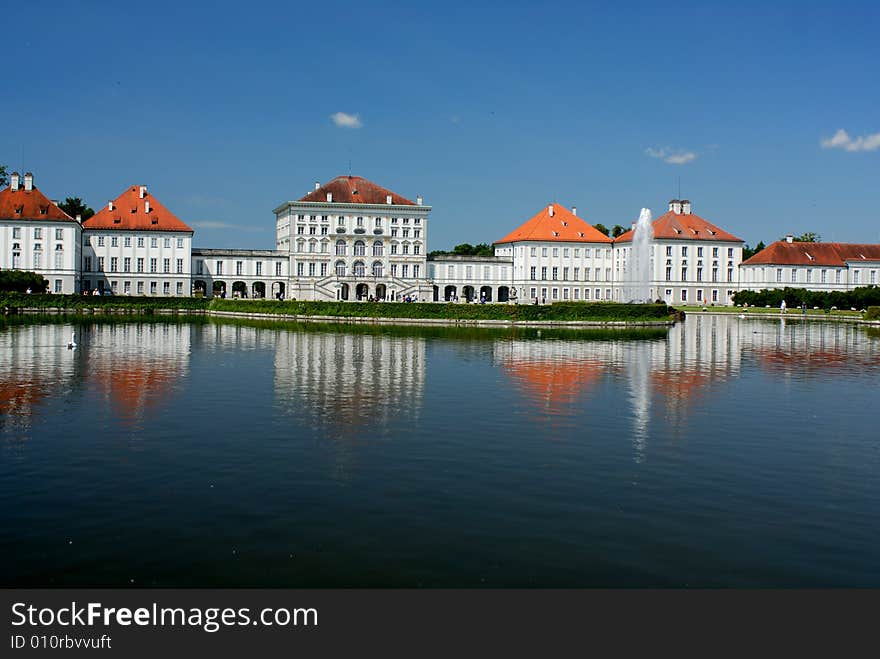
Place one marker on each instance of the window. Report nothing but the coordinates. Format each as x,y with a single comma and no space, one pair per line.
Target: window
598,292
533,251
417,249
565,253
699,274
300,269
323,269
140,243
730,252
313,231
166,288
59,234
360,248
140,288
714,274
126,264
778,274
684,295
586,274
699,295
340,268
873,276
730,274
153,263
114,241
100,241
577,274
598,274
377,268
126,287
555,272
88,264
153,287
668,273
180,288
406,248
300,230
393,269
837,276
415,270
543,251
278,269
180,243
684,251
154,242
699,256
564,293
544,273
825,276
555,293
360,269
312,269
38,233
555,252
794,274
180,266
239,266
394,248
16,232
140,264
340,248
167,243
715,256
58,285
100,264
378,248
259,268
565,274
577,294
166,265
323,231
126,241
669,250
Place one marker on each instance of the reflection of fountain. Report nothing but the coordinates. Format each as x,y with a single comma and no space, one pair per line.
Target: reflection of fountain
639,367
639,270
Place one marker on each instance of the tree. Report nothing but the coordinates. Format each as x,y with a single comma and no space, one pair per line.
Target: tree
3,178
617,231
74,206
749,252
20,281
809,237
601,228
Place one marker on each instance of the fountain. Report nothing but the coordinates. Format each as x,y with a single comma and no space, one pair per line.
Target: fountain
639,271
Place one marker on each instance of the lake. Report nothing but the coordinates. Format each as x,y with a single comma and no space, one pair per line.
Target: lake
718,452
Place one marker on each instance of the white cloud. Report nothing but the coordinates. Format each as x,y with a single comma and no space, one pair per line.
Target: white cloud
345,120
842,140
672,156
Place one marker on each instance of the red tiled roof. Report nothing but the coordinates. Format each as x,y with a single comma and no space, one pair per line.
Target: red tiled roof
129,214
355,190
681,226
31,204
796,253
562,226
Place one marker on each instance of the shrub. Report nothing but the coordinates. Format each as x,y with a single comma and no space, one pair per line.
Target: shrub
19,281
859,297
873,313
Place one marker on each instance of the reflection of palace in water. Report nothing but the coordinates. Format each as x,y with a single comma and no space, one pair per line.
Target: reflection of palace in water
349,380
136,367
34,364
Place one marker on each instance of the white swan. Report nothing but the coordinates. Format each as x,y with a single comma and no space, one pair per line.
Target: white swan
72,344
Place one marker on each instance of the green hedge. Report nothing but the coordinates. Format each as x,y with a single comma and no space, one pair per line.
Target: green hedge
561,311
860,298
873,313
21,280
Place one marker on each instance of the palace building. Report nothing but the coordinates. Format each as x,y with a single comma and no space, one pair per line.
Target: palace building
352,239
36,235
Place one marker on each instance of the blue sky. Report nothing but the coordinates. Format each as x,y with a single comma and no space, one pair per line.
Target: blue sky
488,110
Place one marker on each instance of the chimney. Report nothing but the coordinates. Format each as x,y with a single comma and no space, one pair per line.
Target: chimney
143,191
28,182
789,238
14,181
686,206
675,206
550,209
574,210
110,205
147,206
79,218
317,185
329,197
419,200
388,199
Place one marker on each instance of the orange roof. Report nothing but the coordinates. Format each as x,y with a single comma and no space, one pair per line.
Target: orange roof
796,253
30,204
355,190
561,226
130,214
684,226
554,384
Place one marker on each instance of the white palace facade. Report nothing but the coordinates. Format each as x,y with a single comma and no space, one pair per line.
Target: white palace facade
351,239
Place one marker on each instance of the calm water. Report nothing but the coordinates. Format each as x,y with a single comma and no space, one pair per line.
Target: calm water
720,452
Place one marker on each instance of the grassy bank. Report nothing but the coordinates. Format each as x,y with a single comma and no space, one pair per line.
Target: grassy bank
774,311
559,312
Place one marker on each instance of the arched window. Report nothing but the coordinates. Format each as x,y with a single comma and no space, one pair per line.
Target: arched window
313,245
340,248
300,245
406,248
377,268
324,247
360,269
360,248
340,268
378,248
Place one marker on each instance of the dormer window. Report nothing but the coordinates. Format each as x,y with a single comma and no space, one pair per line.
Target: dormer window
155,220
581,234
134,210
565,224
555,233
44,210
18,209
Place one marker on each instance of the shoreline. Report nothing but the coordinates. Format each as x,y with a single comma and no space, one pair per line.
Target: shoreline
349,320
